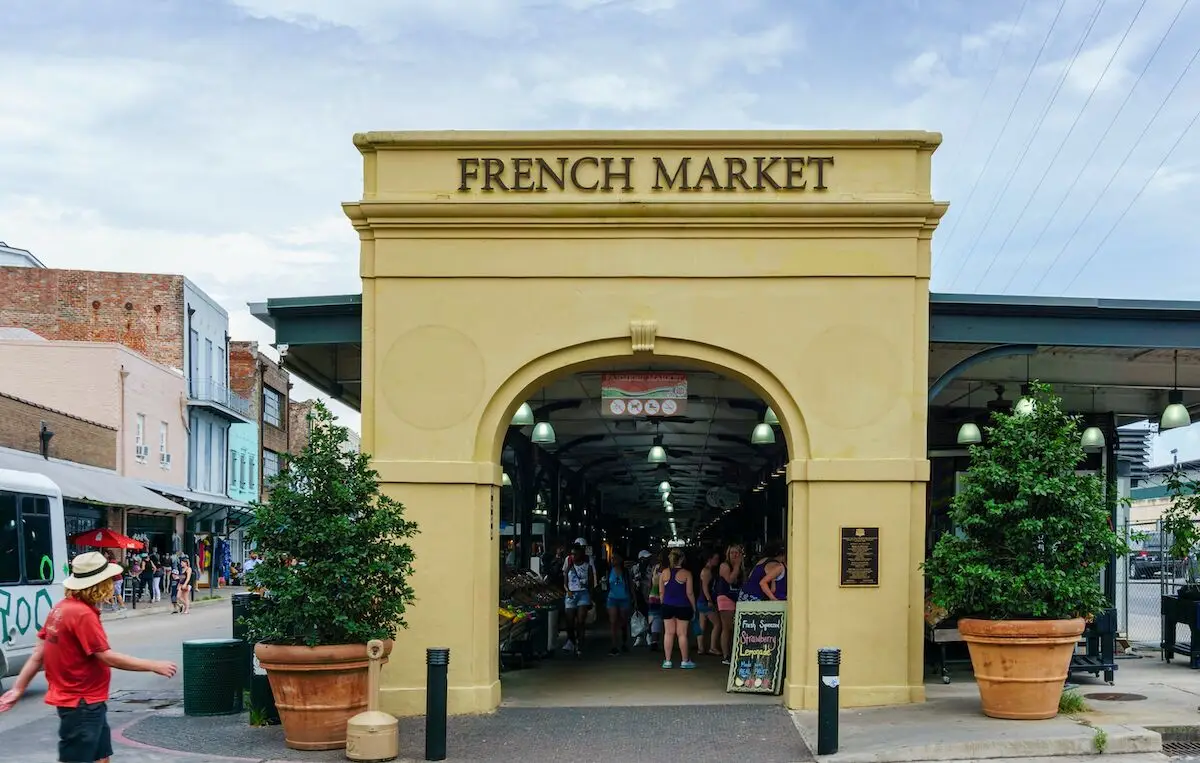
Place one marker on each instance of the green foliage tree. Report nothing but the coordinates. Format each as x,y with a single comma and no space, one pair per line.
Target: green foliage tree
335,564
1033,533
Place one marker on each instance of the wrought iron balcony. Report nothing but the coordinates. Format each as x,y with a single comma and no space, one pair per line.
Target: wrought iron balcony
219,399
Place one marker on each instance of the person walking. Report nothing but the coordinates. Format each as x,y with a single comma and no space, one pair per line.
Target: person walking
580,580
186,576
707,609
156,579
73,649
620,604
678,609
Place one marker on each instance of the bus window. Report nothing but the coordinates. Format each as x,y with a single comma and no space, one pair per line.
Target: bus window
39,546
10,559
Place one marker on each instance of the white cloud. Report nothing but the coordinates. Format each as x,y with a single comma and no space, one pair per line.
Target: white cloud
996,34
1168,179
926,70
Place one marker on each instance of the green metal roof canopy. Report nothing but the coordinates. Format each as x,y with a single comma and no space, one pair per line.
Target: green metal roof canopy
320,340
1119,346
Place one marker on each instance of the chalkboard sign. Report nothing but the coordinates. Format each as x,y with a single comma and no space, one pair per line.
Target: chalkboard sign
860,557
759,641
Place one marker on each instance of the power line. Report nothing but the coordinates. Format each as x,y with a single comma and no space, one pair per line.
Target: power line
1095,149
995,72
1138,195
1058,151
1133,147
1003,128
1062,80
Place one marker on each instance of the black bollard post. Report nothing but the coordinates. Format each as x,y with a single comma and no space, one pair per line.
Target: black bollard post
438,662
829,661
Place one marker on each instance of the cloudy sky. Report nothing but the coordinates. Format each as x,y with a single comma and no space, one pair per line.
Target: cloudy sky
212,137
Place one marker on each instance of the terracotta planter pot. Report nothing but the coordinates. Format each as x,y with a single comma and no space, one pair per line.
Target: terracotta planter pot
317,690
1021,665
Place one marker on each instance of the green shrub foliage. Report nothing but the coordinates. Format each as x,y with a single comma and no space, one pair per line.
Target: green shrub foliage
335,564
1034,533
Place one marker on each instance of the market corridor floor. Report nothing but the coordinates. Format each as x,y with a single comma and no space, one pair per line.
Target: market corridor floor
632,679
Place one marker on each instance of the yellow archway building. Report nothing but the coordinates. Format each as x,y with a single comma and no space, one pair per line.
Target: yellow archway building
795,262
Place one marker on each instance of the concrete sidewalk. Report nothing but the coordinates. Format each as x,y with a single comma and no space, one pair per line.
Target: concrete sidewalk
1149,695
164,607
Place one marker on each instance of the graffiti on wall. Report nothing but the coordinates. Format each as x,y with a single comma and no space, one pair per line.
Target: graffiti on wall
26,608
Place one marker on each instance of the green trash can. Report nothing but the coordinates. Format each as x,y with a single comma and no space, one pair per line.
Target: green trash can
261,699
214,675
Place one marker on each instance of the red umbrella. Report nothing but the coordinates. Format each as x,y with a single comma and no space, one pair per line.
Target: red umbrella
105,538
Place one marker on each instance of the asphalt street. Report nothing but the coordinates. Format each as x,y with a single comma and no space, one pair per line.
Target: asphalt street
158,637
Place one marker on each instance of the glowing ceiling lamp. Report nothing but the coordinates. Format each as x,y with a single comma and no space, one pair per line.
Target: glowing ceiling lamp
763,434
523,417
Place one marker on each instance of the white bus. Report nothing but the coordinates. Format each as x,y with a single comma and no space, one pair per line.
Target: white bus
33,562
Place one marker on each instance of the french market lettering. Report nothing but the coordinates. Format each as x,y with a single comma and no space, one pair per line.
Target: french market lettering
531,174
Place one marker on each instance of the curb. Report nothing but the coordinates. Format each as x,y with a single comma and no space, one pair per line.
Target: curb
130,613
1122,740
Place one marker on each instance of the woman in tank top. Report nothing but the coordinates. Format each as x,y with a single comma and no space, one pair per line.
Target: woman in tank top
706,607
768,580
678,608
728,586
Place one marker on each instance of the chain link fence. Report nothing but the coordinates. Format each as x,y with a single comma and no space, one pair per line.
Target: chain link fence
1144,577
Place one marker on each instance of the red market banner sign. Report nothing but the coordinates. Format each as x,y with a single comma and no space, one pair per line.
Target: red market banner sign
644,394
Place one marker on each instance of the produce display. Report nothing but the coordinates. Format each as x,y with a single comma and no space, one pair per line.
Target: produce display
525,601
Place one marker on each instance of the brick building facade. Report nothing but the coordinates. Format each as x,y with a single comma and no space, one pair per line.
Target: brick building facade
255,376
143,311
75,439
300,428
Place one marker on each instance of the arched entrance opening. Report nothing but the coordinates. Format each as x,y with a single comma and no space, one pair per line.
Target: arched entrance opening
632,456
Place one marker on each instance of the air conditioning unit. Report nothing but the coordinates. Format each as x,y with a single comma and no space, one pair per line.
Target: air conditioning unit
165,460
141,451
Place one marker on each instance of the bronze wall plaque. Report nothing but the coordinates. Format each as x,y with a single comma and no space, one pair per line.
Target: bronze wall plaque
860,557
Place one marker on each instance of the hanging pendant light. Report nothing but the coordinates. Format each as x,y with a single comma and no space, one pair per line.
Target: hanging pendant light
762,435
664,488
543,433
770,418
523,417
505,480
968,433
1093,437
657,454
1175,415
1025,406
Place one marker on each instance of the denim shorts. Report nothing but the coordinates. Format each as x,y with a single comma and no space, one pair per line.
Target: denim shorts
83,733
577,599
619,603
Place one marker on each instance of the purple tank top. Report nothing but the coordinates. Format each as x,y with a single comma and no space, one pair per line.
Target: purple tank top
752,590
675,593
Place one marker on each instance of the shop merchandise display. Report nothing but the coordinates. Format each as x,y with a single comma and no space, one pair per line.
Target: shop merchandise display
526,603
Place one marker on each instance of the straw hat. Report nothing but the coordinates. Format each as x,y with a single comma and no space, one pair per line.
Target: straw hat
90,569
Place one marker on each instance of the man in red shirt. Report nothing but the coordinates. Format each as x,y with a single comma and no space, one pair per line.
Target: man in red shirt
73,649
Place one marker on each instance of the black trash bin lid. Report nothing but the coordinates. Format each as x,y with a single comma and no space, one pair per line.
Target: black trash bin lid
211,642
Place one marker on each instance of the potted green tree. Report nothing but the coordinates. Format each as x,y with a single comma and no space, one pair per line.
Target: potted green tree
334,570
1022,570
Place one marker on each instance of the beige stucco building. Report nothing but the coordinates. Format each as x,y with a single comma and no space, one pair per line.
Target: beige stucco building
543,254
112,385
